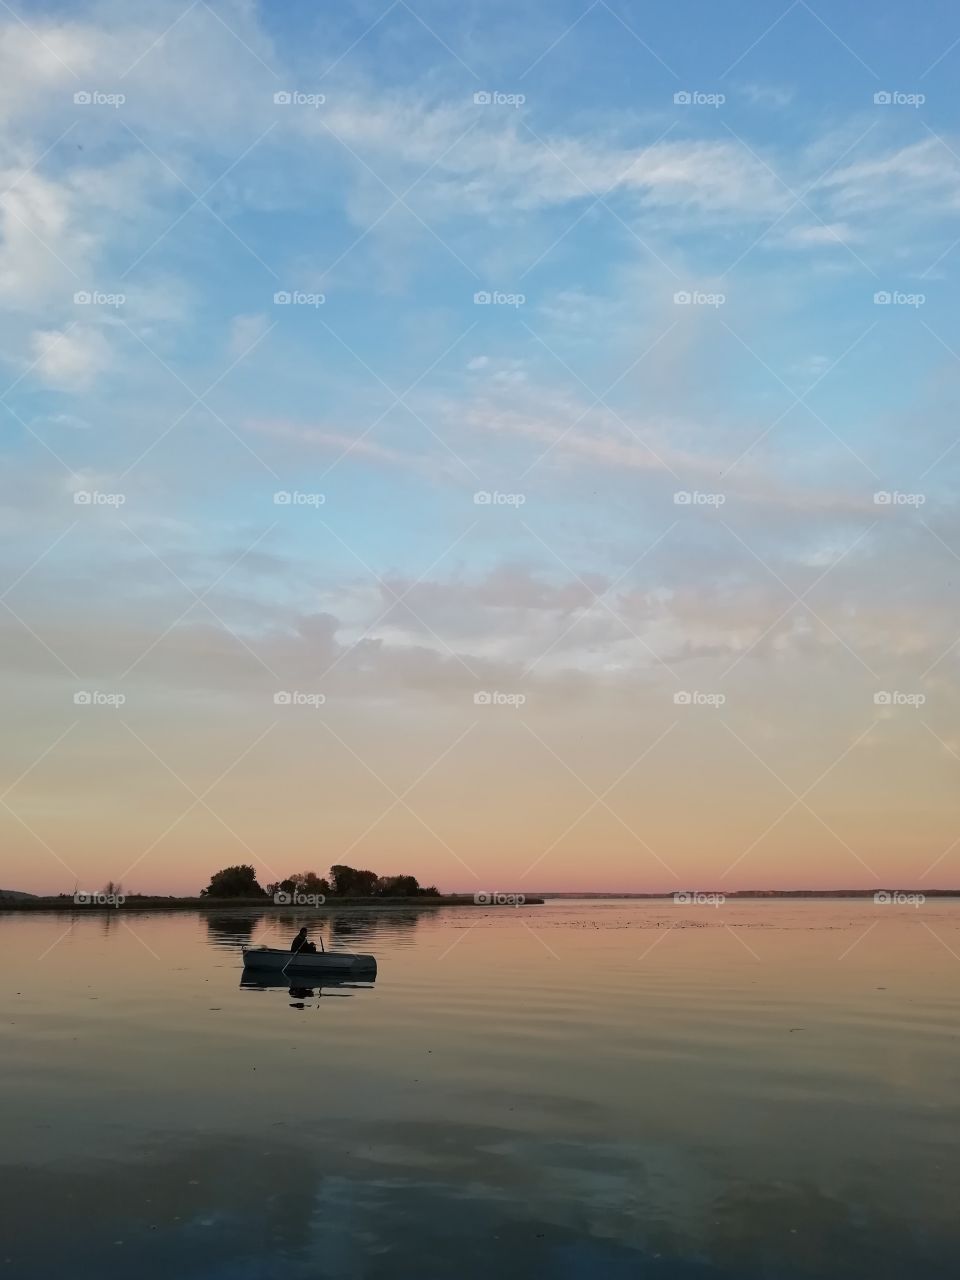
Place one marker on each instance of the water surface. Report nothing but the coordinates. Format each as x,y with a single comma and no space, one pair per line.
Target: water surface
766,1089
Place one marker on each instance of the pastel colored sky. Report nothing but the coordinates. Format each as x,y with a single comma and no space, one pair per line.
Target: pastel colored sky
720,248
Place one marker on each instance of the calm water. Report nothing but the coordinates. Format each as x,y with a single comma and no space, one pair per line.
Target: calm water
581,1089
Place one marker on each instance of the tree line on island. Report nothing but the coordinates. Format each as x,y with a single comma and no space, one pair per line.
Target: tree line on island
342,882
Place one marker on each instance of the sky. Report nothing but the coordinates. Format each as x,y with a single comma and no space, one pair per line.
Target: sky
510,444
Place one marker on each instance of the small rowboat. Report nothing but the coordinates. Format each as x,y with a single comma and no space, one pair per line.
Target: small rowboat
343,963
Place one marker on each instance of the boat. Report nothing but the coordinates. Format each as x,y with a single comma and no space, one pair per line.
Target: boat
344,963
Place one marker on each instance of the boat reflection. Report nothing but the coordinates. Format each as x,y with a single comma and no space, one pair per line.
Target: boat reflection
338,988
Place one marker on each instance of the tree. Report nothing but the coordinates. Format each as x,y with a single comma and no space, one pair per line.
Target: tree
341,879
233,882
300,882
348,882
398,886
366,883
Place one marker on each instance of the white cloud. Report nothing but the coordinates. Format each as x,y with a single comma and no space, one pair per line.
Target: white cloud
924,176
43,249
767,95
245,332
70,359
817,234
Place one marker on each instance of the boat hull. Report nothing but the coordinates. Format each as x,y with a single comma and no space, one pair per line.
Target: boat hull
271,960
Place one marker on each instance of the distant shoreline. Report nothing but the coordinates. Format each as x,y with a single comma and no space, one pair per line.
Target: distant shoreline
149,903
136,902
766,893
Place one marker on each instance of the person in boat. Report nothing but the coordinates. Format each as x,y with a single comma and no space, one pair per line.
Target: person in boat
302,943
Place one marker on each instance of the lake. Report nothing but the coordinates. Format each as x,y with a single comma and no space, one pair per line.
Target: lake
580,1089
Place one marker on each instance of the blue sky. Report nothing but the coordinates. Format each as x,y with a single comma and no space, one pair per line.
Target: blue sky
589,200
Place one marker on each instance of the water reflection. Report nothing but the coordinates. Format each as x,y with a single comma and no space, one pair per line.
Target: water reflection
579,1103
346,926
232,928
342,928
336,988
271,1209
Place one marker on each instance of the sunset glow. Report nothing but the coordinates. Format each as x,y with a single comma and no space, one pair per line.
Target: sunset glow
535,480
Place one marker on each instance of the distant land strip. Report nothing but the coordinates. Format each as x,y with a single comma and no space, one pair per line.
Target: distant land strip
15,900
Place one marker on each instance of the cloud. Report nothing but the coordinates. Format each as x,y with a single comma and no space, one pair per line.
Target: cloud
245,331
336,444
69,359
506,165
815,235
767,95
924,177
43,246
